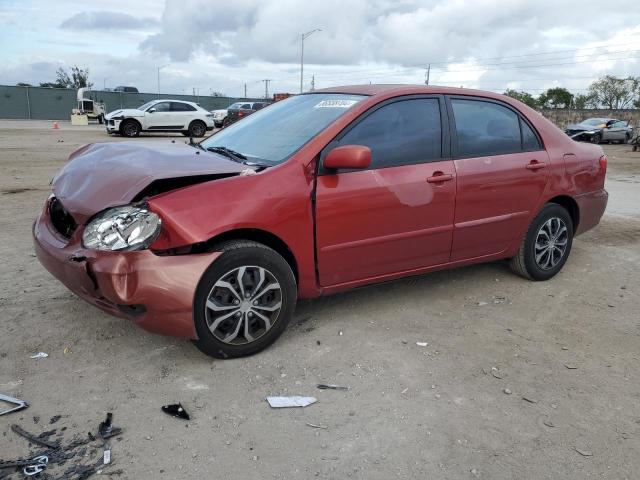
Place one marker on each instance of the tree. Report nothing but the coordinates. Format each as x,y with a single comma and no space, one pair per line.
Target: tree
557,97
23,84
581,101
524,97
614,93
79,78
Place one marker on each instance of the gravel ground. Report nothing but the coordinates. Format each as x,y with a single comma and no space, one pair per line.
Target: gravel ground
517,380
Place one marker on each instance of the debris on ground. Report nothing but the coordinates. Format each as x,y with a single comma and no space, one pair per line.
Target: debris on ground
497,373
422,344
507,391
313,425
293,401
323,386
77,459
530,399
570,366
15,404
106,428
38,440
584,453
482,304
176,410
54,419
40,355
549,423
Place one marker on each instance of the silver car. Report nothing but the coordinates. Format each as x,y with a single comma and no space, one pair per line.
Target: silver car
596,130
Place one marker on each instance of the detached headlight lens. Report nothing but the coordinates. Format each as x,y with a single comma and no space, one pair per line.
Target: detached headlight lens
122,229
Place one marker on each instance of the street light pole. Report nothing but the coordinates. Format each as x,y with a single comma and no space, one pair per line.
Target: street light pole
302,37
161,66
104,82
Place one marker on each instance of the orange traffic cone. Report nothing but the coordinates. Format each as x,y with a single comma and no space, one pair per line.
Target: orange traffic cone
56,126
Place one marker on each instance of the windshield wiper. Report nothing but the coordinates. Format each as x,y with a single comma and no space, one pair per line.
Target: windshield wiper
227,152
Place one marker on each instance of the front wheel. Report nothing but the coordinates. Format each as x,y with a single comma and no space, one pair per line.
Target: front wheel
596,138
197,129
244,300
130,128
546,245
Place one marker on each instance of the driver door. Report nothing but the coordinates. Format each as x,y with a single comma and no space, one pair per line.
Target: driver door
158,116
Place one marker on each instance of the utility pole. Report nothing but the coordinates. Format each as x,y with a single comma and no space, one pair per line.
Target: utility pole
313,82
302,37
104,83
245,90
427,75
266,87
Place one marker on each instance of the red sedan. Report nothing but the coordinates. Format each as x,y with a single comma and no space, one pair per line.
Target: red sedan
316,194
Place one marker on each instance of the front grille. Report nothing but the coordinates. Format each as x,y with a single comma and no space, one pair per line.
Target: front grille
61,220
111,123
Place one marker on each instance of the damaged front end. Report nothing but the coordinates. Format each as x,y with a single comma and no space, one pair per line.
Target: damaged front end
95,231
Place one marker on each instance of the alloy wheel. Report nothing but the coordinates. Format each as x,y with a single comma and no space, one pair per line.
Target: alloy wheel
551,243
243,305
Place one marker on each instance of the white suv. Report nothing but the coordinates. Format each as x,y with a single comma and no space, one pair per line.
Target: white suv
161,116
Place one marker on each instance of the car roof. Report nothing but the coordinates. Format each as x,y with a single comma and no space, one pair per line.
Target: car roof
404,89
173,100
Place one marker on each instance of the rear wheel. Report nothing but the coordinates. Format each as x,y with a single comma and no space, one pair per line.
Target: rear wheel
130,128
627,137
546,245
197,129
596,138
244,300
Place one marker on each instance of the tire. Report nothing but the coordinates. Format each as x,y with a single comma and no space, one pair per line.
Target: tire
545,223
596,138
627,137
224,335
100,119
130,128
197,129
225,122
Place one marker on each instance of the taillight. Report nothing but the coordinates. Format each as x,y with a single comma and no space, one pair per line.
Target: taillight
603,163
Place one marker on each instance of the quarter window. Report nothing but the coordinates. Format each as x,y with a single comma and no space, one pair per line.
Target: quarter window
486,128
400,133
181,107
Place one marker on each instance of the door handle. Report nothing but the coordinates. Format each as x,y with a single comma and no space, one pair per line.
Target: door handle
439,177
536,165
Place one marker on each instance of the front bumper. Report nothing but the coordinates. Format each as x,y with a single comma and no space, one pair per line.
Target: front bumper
112,126
155,292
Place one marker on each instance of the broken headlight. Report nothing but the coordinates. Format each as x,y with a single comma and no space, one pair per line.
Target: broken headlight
122,229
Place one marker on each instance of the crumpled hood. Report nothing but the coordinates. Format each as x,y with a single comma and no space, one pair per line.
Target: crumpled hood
103,175
126,112
582,126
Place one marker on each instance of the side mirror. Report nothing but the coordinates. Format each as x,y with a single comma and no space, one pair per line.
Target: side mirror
348,157
151,110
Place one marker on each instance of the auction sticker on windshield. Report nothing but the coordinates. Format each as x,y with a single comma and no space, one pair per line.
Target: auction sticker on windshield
335,104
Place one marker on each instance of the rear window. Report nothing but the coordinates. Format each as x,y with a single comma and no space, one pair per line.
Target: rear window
181,107
487,128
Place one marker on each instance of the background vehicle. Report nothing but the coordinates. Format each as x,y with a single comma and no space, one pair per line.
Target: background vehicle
219,116
317,194
122,88
161,116
596,130
239,110
86,106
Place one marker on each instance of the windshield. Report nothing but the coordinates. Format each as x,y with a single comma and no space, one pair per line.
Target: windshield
275,133
235,105
594,121
147,105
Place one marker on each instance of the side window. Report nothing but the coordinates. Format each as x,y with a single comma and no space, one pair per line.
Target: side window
619,124
161,107
485,128
530,140
400,133
246,106
181,107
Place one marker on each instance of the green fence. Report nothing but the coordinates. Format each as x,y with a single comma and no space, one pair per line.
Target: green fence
57,103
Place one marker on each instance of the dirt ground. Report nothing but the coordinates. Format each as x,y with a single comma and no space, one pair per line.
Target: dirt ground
568,350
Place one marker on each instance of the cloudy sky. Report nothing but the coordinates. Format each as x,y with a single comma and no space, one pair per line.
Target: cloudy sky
221,45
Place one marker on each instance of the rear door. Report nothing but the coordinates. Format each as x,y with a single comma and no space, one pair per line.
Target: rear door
502,173
181,115
397,215
617,130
